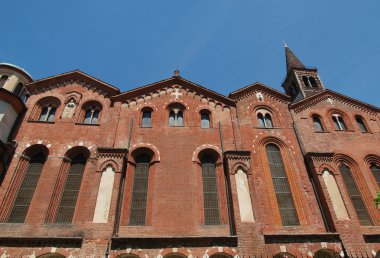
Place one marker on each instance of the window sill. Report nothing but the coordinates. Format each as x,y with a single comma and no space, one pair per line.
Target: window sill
348,131
321,131
41,122
146,126
87,124
266,128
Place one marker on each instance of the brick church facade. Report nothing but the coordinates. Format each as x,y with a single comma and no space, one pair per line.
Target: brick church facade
173,169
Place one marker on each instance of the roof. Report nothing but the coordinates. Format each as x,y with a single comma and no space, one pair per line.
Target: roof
18,69
291,60
72,75
169,81
257,85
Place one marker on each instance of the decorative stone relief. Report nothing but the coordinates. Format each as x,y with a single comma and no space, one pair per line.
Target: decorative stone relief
69,110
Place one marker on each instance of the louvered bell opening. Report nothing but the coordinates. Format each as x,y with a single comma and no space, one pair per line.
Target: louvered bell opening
25,194
71,191
140,193
355,195
210,192
281,186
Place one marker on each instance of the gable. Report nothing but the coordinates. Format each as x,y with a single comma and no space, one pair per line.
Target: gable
68,78
256,89
332,96
168,86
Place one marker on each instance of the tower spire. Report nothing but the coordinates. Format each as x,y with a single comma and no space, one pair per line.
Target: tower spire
291,60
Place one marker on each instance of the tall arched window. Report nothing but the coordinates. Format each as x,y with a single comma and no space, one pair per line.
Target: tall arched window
25,193
375,169
140,191
3,80
361,124
281,186
317,123
70,193
47,113
355,195
205,119
210,191
176,115
146,118
339,123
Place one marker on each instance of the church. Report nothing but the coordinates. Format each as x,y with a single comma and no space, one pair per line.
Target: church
175,170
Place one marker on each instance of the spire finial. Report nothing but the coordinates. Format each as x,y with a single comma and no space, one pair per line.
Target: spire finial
284,42
176,73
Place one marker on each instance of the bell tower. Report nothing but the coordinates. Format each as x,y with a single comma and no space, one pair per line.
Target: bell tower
301,82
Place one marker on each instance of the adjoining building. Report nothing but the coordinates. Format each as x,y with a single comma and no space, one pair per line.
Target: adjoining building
173,169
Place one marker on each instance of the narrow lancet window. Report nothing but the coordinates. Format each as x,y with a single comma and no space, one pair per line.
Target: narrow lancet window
210,191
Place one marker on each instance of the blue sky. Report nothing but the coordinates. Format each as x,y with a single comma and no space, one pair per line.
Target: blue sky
221,44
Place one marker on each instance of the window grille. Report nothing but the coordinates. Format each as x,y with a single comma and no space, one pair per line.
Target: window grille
25,194
70,193
355,195
281,186
140,191
317,124
361,124
210,191
375,169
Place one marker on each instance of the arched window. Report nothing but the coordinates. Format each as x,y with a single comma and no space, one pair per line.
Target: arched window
210,191
375,169
176,115
317,123
18,89
361,124
70,193
140,191
339,123
355,195
146,118
3,80
47,113
281,186
264,118
25,193
91,112
313,82
306,81
205,119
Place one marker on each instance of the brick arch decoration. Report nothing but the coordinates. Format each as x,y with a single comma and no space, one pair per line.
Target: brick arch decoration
142,106
48,250
242,166
329,249
174,101
127,253
267,135
361,183
173,251
40,103
206,147
228,252
109,163
205,107
328,167
88,145
156,153
371,158
275,250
